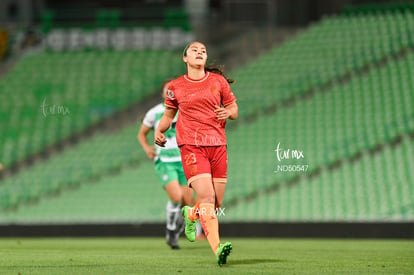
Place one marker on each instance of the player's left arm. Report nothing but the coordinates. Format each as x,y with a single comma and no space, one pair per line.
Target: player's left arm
230,111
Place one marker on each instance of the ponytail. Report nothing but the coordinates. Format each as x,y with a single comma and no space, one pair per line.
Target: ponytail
218,69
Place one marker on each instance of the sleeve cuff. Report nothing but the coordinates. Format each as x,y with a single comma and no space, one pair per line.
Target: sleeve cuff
171,106
227,104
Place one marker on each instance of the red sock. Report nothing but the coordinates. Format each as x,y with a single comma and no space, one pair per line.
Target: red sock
210,225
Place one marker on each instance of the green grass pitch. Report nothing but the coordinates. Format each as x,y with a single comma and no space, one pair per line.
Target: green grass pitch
152,256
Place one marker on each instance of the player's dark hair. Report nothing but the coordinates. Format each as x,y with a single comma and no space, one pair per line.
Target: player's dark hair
164,83
218,69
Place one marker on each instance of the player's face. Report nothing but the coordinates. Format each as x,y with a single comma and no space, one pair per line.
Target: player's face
196,55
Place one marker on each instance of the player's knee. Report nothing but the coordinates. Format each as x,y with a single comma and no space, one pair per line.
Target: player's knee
207,198
176,196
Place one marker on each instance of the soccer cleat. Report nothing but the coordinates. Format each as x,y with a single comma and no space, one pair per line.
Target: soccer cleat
222,252
172,239
190,226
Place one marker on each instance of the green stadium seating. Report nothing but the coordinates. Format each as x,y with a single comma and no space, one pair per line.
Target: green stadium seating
358,116
82,87
373,8
376,187
133,195
330,126
328,50
349,133
86,161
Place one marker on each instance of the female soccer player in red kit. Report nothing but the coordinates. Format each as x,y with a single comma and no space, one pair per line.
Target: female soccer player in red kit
205,101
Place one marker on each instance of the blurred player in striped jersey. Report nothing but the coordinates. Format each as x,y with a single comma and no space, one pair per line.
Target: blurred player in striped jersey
169,169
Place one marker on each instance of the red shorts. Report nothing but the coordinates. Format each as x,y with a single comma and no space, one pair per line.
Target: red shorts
204,161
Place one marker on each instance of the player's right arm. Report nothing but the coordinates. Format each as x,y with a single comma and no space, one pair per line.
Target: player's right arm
164,125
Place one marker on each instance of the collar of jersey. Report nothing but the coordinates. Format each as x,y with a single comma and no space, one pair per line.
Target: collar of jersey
197,80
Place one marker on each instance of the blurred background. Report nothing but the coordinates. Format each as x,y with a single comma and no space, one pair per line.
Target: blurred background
333,80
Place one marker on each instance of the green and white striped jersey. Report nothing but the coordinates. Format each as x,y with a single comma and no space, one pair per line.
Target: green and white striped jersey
169,153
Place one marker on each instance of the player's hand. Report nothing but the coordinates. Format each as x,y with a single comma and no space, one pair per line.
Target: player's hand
222,113
160,139
150,151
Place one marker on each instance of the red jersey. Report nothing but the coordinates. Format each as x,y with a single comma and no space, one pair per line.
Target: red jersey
196,100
